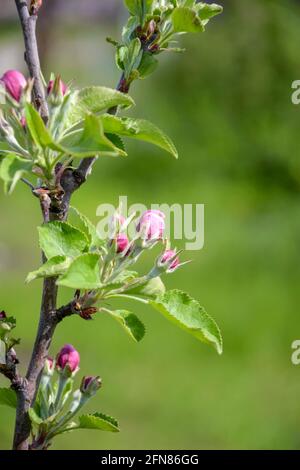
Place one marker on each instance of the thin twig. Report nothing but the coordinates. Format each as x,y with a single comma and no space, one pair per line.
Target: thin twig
25,181
18,383
28,23
47,321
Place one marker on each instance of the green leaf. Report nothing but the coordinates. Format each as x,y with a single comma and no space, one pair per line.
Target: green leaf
129,28
130,322
185,20
34,418
83,273
12,169
8,397
53,267
148,65
132,57
98,421
117,141
61,239
139,129
124,277
135,7
81,222
207,11
4,147
37,128
185,312
90,141
187,3
151,290
97,99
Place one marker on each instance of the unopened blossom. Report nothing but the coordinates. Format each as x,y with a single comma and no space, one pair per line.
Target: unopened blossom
90,385
151,225
122,243
68,357
169,257
62,87
14,83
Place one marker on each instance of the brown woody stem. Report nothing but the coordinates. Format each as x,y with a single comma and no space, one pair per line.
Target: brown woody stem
54,207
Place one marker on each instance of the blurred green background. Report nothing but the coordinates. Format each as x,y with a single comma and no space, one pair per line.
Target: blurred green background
227,104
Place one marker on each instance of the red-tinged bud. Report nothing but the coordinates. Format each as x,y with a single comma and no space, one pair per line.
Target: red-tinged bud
151,225
49,366
68,358
59,84
169,257
122,243
123,86
2,315
87,313
23,122
14,82
50,363
154,48
35,5
151,27
90,385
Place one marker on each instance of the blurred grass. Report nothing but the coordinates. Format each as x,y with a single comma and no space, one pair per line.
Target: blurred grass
226,103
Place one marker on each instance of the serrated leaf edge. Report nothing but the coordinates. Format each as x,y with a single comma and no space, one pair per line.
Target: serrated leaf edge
218,346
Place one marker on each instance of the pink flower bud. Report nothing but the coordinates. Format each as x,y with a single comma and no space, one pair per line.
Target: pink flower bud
122,242
23,122
68,357
35,6
167,256
63,87
2,315
151,225
151,27
50,362
49,366
14,82
90,385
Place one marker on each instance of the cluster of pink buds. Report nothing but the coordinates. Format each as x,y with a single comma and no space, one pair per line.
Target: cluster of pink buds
123,252
56,389
67,364
149,231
